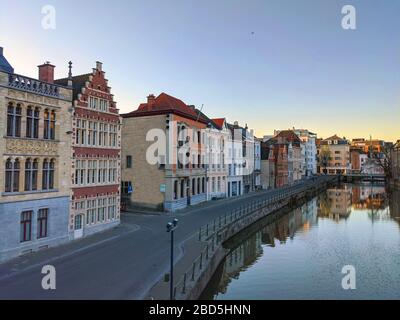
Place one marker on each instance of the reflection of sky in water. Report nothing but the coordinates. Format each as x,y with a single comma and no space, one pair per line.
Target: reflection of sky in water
302,254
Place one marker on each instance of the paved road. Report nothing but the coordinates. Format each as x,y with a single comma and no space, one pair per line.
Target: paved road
123,263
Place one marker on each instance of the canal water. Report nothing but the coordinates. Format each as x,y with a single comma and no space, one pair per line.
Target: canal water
299,254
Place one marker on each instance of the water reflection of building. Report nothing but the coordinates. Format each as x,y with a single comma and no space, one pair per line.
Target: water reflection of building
240,259
281,229
286,227
394,205
368,197
336,203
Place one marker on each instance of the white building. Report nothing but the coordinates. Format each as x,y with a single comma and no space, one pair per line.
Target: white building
257,163
235,161
217,168
308,150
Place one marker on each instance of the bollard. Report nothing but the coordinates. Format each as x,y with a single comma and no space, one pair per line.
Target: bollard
213,240
201,261
200,234
207,230
219,222
207,252
214,225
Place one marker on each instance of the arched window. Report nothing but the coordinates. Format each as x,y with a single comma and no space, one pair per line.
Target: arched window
14,120
48,174
53,125
182,188
12,176
49,125
32,122
46,127
203,185
198,186
9,174
175,189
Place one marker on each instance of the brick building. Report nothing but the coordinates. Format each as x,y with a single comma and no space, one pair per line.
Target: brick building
96,154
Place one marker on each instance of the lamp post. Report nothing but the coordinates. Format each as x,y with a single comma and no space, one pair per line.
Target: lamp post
171,226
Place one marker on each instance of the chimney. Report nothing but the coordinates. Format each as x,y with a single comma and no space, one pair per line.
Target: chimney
151,98
99,65
46,72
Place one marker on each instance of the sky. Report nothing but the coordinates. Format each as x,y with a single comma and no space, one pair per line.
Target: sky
268,64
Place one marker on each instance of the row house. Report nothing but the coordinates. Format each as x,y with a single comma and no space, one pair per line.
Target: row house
35,160
243,155
163,160
308,151
371,146
334,155
276,173
96,154
257,163
268,166
217,139
235,162
294,153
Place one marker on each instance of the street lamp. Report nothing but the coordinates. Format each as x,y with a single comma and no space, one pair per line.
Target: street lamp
171,226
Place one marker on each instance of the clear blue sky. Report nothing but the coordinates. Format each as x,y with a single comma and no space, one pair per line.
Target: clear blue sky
270,64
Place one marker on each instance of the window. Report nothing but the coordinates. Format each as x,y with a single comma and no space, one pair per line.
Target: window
32,122
42,223
198,186
80,132
182,188
175,190
112,207
193,186
14,120
203,185
26,226
31,174
48,175
46,132
12,176
101,209
125,186
129,162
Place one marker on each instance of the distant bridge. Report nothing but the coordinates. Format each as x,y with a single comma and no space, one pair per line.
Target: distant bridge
349,177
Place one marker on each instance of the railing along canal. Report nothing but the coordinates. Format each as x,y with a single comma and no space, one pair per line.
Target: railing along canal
217,231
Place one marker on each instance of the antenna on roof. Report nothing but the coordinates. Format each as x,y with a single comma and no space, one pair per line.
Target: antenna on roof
198,114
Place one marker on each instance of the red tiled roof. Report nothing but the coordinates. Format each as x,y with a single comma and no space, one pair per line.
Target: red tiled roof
164,104
334,137
219,122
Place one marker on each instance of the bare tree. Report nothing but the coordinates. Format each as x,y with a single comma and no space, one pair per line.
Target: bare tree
384,160
324,157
